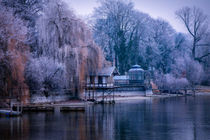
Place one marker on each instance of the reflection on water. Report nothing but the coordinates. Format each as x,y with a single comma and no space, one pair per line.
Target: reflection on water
156,119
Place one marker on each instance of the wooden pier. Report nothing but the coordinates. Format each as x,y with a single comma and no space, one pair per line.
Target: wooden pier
10,112
105,93
52,107
99,93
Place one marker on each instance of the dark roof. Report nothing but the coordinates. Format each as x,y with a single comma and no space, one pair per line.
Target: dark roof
106,71
135,66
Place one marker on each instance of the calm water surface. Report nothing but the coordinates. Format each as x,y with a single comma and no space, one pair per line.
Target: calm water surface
176,118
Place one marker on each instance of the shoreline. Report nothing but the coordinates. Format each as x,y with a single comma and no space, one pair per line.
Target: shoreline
140,97
80,105
154,96
121,98
117,99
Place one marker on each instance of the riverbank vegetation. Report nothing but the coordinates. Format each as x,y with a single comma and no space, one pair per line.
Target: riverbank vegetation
44,45
54,51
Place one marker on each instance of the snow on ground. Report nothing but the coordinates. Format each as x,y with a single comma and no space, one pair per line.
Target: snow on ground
43,99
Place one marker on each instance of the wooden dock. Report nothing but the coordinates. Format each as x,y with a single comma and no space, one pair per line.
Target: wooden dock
70,108
52,107
10,112
105,93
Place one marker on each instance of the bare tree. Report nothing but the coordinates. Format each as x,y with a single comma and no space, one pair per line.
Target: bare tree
197,25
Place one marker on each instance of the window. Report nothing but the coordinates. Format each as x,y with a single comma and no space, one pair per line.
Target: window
100,79
92,79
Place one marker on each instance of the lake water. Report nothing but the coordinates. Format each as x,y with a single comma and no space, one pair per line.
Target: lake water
176,118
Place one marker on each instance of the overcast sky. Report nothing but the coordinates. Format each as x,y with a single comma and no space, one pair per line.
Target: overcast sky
164,9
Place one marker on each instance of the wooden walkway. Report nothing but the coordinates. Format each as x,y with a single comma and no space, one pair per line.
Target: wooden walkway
10,111
106,93
53,107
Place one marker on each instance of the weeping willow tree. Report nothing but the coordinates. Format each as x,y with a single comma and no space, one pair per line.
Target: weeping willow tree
65,39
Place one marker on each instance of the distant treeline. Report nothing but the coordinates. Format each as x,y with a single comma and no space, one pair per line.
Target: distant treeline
129,37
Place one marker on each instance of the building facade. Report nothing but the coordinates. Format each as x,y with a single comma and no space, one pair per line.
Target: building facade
102,78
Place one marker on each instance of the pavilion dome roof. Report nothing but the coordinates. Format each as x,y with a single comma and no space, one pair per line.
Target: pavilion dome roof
136,68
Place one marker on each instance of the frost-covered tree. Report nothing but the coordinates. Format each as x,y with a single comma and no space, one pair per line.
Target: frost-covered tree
13,54
65,39
26,9
159,48
196,23
116,30
170,82
189,68
194,72
129,37
29,11
46,73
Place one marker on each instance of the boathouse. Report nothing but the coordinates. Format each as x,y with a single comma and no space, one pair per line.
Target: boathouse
102,78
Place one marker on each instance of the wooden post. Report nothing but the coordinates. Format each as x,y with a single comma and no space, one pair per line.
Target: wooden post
113,94
93,92
145,94
18,109
185,92
103,95
11,105
193,89
85,91
21,107
89,93
94,88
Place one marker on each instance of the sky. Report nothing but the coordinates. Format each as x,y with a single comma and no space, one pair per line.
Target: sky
164,9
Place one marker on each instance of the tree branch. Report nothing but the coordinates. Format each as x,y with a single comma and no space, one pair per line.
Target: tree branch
200,58
203,44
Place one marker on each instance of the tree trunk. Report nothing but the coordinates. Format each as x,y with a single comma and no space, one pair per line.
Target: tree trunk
193,49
